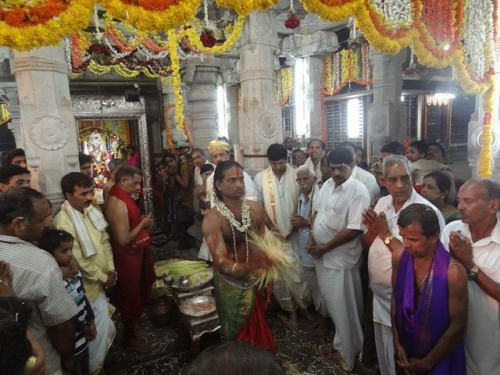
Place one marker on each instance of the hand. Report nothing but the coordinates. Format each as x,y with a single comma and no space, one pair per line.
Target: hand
90,331
299,221
461,249
38,352
5,279
376,223
111,281
419,365
401,358
147,221
316,250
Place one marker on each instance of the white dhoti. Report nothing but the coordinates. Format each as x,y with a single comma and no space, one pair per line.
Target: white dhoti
343,296
106,331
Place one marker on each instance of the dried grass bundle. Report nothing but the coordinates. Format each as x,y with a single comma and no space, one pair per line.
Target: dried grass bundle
283,262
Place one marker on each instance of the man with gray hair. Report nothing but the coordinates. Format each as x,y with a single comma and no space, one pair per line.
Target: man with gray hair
382,238
475,242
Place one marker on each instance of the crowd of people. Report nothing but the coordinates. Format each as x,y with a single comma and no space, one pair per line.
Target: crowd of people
401,257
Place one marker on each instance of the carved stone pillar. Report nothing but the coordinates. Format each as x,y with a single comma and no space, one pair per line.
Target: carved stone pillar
179,137
47,129
232,103
259,117
202,98
313,95
386,120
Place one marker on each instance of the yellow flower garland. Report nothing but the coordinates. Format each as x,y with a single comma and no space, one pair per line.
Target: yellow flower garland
194,38
176,78
245,7
486,153
72,20
174,16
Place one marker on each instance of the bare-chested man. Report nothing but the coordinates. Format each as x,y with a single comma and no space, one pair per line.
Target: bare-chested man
237,262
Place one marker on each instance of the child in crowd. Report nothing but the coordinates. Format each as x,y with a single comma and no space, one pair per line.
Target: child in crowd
417,153
59,244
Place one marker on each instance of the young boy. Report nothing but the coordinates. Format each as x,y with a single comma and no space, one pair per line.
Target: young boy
417,153
59,244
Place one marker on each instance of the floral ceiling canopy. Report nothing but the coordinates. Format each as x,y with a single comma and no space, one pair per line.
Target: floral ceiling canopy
457,33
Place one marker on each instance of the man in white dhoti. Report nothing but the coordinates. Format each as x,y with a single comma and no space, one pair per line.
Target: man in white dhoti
382,239
92,251
335,245
475,242
279,192
301,223
219,151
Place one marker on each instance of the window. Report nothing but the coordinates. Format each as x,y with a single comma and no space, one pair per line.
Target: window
345,121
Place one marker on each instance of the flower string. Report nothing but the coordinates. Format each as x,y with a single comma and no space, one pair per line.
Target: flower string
246,221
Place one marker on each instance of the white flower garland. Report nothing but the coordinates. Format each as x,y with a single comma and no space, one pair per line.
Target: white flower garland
477,34
246,221
397,12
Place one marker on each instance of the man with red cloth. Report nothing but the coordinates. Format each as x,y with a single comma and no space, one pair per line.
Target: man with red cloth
237,261
133,261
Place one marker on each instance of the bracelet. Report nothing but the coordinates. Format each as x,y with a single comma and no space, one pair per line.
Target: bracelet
234,267
113,272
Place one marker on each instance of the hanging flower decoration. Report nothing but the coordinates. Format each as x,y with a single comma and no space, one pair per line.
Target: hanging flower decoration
24,27
349,65
5,115
152,15
292,22
207,39
168,130
284,84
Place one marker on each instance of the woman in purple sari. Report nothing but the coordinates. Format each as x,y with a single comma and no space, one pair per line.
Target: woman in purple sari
430,300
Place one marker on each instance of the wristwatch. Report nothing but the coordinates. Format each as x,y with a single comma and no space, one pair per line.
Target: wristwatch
472,273
389,239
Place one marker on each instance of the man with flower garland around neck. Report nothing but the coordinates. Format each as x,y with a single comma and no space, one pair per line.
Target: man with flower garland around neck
237,262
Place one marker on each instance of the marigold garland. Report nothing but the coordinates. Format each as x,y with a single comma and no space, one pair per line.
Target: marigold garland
486,153
168,130
284,84
176,78
48,29
152,15
245,7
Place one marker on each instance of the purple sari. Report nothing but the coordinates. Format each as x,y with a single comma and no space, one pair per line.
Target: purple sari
420,326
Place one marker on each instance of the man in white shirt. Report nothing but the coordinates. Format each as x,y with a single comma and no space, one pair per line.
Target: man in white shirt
335,244
475,242
219,151
316,151
360,174
382,239
279,192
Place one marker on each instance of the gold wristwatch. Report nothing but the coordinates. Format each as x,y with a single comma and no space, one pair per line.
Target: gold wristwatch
389,239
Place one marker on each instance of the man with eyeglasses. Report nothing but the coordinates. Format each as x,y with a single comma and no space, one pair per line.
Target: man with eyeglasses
299,158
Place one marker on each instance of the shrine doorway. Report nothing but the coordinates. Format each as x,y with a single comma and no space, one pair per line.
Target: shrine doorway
105,128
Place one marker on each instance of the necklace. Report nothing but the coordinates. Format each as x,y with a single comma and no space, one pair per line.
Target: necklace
227,213
233,223
234,245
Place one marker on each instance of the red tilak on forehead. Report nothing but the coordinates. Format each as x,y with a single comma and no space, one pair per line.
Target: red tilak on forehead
239,172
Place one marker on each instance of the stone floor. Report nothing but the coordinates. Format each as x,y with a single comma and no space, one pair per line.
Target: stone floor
171,345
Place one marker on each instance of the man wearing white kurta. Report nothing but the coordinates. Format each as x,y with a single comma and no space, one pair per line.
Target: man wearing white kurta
279,192
336,248
382,238
360,174
219,151
475,242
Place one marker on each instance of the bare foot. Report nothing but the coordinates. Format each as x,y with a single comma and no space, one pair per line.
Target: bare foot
292,321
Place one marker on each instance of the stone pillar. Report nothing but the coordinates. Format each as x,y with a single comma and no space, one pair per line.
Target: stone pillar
386,120
313,96
202,98
232,104
47,129
259,117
